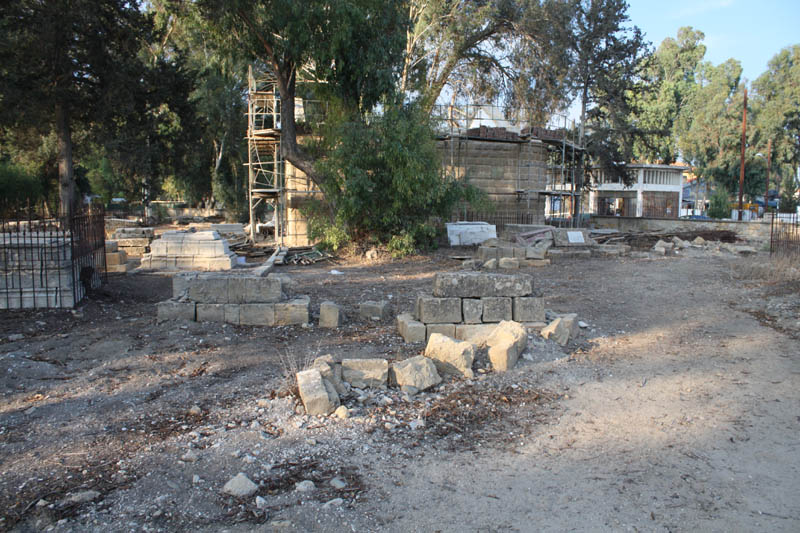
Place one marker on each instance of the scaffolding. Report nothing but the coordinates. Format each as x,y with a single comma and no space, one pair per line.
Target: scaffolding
546,166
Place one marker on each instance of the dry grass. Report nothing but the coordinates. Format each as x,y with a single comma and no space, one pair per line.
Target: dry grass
291,364
777,269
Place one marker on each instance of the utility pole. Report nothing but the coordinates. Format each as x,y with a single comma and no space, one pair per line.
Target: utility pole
769,162
741,166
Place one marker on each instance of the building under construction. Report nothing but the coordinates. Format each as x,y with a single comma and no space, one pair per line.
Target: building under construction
530,173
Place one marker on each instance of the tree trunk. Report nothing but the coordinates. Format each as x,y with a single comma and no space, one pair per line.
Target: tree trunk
66,174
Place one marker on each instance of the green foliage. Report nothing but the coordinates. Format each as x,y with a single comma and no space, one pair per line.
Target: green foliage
788,202
719,206
17,186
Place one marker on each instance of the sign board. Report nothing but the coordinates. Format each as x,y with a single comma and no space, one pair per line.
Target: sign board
575,237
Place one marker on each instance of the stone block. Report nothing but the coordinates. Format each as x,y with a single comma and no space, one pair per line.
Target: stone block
570,237
232,314
211,312
450,355
418,372
508,263
519,252
371,309
534,252
472,310
485,253
361,373
111,246
535,263
443,329
207,288
257,314
505,252
410,329
172,310
116,258
480,284
506,343
431,310
528,309
475,334
253,289
294,311
330,315
561,329
331,371
180,283
315,395
491,264
496,309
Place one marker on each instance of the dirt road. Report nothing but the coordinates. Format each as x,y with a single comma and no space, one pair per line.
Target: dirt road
678,409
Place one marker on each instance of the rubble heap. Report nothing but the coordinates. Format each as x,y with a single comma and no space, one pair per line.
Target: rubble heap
189,250
468,306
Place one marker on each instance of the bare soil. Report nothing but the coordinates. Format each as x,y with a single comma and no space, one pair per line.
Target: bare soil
676,409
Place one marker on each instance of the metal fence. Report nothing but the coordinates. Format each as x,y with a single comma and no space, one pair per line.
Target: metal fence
49,262
785,235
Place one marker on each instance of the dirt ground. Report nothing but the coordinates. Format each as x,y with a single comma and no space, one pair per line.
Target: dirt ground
677,409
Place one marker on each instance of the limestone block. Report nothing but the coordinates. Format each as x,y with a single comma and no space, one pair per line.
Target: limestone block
232,314
443,329
533,252
410,329
117,269
451,356
208,288
568,237
315,395
432,310
506,343
116,258
180,283
418,372
257,314
505,251
371,309
210,312
331,371
475,334
472,310
486,252
491,264
361,373
519,252
496,309
508,263
330,315
253,289
561,329
481,284
172,310
294,311
111,246
535,263
528,309
240,486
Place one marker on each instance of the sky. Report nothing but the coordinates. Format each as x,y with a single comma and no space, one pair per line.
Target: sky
752,31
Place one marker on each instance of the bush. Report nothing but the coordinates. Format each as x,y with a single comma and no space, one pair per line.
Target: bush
18,186
718,205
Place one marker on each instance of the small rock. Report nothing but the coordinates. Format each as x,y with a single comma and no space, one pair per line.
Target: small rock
333,503
582,324
311,442
189,457
240,486
195,410
417,424
262,402
16,337
304,486
83,496
261,503
337,483
342,412
196,479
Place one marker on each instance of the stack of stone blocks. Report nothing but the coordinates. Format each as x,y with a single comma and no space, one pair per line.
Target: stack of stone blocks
245,298
135,242
36,271
117,259
189,250
467,304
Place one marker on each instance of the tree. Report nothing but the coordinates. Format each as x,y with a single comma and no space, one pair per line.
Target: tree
68,64
353,47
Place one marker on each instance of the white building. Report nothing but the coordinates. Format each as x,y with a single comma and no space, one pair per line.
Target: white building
656,191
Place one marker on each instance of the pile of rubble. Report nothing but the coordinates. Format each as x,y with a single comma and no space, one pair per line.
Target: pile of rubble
240,298
189,250
676,243
467,305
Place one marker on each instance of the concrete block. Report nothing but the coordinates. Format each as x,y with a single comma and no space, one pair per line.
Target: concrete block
442,329
371,309
418,372
496,309
465,284
330,315
535,263
474,333
410,329
431,310
172,310
508,263
472,310
317,398
451,356
257,314
361,373
528,309
293,312
506,343
232,314
485,253
211,312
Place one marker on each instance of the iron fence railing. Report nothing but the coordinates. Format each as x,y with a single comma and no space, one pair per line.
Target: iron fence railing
49,262
785,235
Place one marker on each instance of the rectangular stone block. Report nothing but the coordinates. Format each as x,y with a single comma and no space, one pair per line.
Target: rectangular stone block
211,312
330,315
172,310
496,309
472,310
536,263
364,373
257,314
116,258
528,309
180,283
232,314
252,289
371,309
208,289
505,251
111,246
485,253
411,330
445,329
474,333
292,312
438,310
519,252
465,284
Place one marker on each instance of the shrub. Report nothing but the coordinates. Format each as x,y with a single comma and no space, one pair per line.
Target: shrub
18,186
718,206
